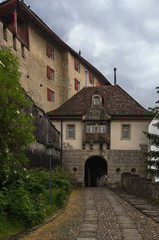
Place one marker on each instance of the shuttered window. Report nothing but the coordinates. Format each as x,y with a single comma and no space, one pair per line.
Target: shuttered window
50,51
50,95
77,85
91,78
77,65
50,73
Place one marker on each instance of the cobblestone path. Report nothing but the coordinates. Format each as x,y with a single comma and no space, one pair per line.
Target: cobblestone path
97,214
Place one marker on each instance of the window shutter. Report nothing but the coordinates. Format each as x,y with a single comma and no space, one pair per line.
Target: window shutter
49,94
48,50
48,72
76,64
76,84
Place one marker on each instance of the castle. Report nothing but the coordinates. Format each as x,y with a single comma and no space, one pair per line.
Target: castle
101,125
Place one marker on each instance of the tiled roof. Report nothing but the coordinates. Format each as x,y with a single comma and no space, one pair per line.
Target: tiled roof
116,101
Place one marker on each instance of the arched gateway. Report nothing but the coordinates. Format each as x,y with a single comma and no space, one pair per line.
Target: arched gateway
95,172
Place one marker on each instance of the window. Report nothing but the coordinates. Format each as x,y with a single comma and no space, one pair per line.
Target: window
50,73
71,131
50,95
96,101
91,78
77,85
101,129
14,43
77,65
90,129
125,131
50,51
96,128
4,32
22,50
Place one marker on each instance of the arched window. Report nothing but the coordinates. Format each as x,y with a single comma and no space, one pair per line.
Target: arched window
96,101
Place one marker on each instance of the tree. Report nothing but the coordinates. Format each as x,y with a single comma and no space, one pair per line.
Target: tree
15,124
153,155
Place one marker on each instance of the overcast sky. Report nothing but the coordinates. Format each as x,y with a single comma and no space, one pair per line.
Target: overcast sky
111,33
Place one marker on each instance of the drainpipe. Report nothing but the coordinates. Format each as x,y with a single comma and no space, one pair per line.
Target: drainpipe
86,77
61,138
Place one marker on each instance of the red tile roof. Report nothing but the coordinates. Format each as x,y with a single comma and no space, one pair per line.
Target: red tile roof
116,101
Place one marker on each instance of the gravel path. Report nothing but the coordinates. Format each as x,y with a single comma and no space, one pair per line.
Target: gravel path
68,225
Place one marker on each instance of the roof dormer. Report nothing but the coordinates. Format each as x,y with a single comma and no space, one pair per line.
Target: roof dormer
96,100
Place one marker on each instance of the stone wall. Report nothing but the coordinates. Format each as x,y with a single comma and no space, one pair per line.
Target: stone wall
45,132
141,187
118,162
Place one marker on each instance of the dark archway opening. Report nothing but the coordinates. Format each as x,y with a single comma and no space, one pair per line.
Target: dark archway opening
95,170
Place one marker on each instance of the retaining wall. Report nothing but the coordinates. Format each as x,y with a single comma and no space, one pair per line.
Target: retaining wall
45,132
141,187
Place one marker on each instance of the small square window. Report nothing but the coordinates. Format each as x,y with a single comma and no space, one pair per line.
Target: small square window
71,131
125,131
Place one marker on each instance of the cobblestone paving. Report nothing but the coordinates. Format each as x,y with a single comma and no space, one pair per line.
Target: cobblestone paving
148,229
108,228
67,226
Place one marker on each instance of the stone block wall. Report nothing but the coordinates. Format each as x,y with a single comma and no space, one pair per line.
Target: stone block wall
118,162
141,187
45,132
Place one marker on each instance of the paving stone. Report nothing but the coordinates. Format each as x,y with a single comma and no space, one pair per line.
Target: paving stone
104,215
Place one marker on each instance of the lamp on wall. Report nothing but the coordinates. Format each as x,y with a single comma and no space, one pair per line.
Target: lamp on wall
50,152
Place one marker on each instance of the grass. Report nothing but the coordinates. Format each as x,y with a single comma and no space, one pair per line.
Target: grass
10,227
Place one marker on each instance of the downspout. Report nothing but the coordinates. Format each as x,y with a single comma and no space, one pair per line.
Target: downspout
86,77
61,139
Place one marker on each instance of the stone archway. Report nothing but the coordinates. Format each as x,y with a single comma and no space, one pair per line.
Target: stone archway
95,170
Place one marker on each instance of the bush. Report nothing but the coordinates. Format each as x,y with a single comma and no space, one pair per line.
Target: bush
24,195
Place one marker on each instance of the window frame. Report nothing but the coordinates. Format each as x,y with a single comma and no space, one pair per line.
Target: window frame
50,73
70,131
94,101
50,95
123,132
50,52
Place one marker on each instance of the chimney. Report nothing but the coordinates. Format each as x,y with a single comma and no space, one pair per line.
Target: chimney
80,52
115,76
